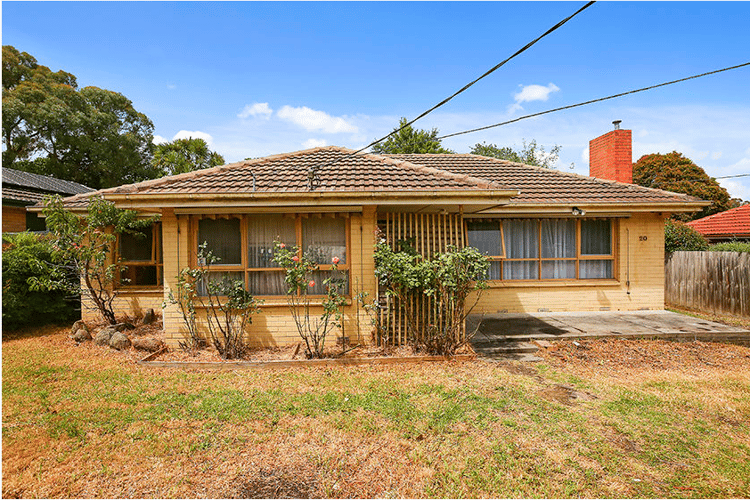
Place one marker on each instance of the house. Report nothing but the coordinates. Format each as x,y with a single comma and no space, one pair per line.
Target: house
730,225
22,189
557,241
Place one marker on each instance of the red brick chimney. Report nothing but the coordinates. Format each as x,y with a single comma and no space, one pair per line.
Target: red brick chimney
611,155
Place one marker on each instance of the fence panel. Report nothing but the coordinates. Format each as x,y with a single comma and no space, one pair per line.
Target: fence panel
712,282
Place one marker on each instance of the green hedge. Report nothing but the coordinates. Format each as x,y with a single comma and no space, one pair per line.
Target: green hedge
731,246
678,236
28,256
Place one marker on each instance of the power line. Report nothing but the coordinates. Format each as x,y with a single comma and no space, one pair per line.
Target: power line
591,101
311,174
732,176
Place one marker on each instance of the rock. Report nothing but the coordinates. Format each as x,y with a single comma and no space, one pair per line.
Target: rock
119,341
119,327
77,326
149,317
148,344
104,335
81,335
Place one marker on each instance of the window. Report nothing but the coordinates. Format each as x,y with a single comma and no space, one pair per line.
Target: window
140,258
545,249
320,236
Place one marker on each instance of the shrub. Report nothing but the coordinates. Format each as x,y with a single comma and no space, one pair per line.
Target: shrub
680,237
300,270
229,307
26,259
731,246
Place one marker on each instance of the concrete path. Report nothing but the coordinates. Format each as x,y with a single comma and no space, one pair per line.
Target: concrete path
500,334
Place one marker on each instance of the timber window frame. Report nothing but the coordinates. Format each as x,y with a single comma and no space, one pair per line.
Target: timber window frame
554,249
133,269
256,267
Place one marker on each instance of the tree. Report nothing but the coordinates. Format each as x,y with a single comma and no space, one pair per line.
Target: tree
411,140
92,136
679,236
529,154
84,245
184,155
677,173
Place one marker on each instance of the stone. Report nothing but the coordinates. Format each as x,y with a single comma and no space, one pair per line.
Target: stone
82,334
148,344
149,317
104,335
120,327
119,341
77,326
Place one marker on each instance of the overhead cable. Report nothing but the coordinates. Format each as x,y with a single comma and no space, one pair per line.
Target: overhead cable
465,87
590,102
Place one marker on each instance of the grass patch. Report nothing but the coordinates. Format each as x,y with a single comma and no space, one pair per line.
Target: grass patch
79,423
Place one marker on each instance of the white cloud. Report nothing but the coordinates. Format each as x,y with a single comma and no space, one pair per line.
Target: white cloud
171,86
195,134
159,139
716,155
311,120
314,143
255,109
736,188
535,93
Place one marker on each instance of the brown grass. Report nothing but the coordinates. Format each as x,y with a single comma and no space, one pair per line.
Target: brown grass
603,419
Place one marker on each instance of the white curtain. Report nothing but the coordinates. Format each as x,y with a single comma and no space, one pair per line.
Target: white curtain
485,237
262,231
521,242
596,237
558,242
323,239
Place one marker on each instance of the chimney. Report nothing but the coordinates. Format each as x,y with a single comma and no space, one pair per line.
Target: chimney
611,155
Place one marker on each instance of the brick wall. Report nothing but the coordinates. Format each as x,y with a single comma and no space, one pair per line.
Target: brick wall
611,156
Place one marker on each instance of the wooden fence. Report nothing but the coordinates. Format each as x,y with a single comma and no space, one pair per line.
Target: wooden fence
712,282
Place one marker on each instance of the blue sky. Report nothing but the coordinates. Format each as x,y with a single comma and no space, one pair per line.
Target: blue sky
263,78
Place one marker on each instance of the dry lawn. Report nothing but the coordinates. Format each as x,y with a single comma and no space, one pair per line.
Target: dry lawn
601,419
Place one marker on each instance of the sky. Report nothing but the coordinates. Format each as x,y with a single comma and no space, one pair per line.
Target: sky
256,79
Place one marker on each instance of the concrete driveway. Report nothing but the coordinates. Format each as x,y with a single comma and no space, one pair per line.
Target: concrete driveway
513,333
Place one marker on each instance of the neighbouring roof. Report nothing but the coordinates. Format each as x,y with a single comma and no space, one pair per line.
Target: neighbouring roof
339,171
543,185
734,222
32,188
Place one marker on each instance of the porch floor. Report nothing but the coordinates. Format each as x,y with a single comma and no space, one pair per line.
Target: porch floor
502,334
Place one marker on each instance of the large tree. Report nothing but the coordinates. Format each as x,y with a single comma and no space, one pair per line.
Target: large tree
90,135
184,155
411,140
677,173
529,154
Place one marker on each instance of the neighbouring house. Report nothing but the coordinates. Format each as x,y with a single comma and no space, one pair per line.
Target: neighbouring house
22,189
730,225
557,241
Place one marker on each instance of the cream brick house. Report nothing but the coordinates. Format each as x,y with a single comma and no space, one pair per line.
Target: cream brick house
558,241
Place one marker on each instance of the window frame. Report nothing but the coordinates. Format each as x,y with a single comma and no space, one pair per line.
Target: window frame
156,261
579,257
244,265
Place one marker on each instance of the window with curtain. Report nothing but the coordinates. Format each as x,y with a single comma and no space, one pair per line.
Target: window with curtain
320,236
545,249
487,237
139,258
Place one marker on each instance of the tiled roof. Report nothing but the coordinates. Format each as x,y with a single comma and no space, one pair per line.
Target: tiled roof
38,182
288,173
735,222
543,185
338,171
23,195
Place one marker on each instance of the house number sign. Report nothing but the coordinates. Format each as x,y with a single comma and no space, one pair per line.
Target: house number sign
643,238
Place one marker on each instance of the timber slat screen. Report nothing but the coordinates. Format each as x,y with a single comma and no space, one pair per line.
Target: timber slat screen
428,234
712,282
